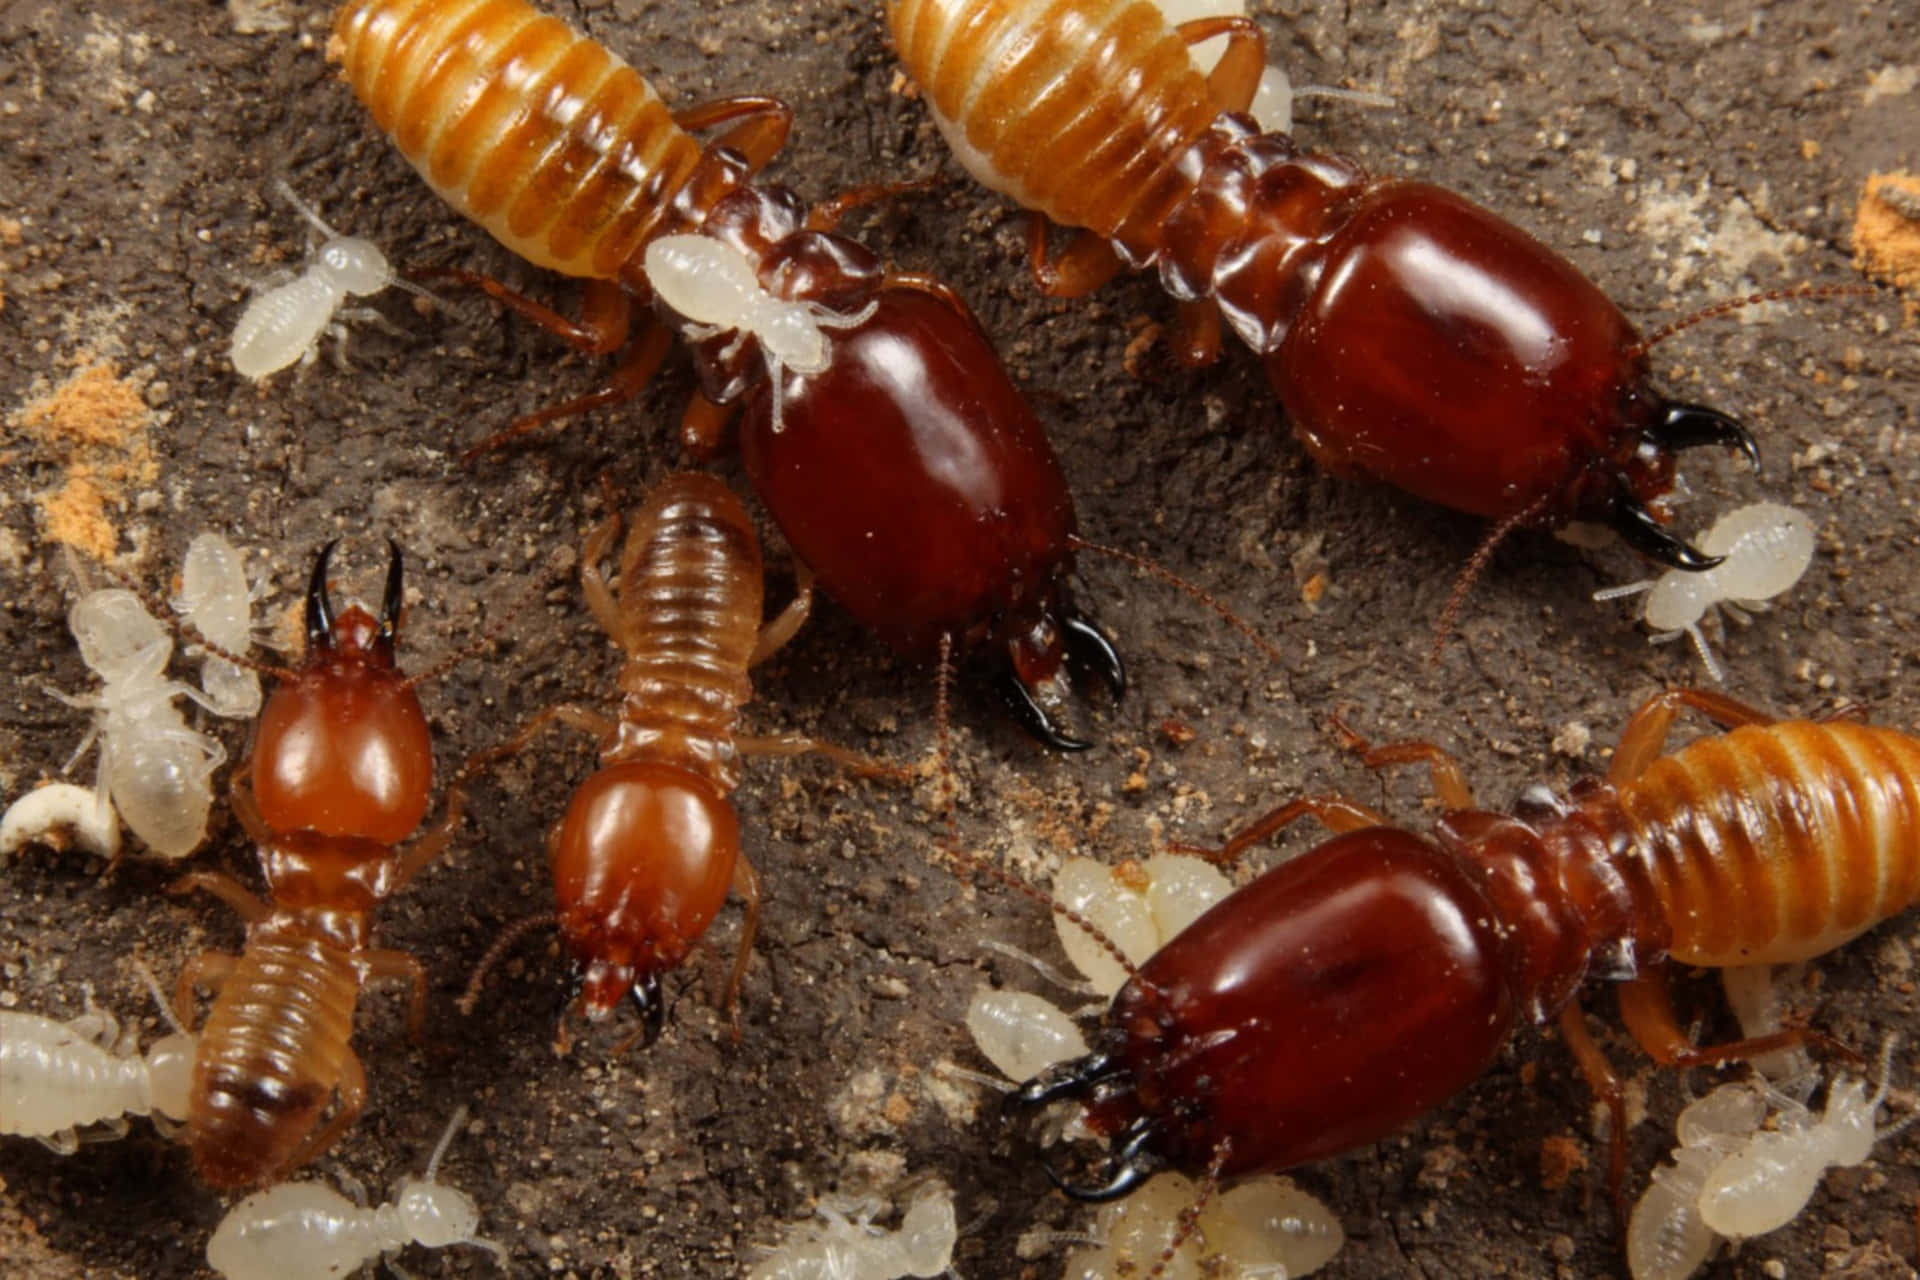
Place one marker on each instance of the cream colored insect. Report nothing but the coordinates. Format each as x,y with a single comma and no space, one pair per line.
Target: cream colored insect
1667,1239
58,1078
57,812
284,324
846,1245
309,1231
1266,1227
1767,548
714,285
217,602
157,771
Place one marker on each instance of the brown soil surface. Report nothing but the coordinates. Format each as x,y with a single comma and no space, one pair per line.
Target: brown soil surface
1678,157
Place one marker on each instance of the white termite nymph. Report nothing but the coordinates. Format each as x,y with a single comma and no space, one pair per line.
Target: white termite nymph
1667,1239
845,1245
57,1078
309,1231
58,812
714,286
284,324
157,771
1263,1227
1139,906
216,601
1767,548
1765,1183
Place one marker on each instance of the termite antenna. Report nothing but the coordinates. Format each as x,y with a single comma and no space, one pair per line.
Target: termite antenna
511,934
1731,305
185,628
970,863
1475,566
154,989
1188,1220
446,1140
1159,571
488,637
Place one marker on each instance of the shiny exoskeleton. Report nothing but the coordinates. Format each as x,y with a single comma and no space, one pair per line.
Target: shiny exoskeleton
1411,335
961,526
342,773
1348,990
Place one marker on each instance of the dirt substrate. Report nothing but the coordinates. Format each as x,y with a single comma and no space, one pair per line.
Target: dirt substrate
1677,157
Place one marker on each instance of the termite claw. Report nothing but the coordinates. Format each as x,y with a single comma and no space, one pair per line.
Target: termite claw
319,607
1687,426
1128,1170
1033,717
1640,530
1070,1079
1090,650
651,1002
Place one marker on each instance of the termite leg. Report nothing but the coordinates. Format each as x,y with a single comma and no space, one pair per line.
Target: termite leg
1646,1006
352,1087
606,312
400,966
1449,779
775,634
1606,1086
763,125
1334,812
628,379
1236,77
827,216
245,807
227,889
1645,737
781,745
1083,266
703,427
1195,339
209,969
593,580
746,883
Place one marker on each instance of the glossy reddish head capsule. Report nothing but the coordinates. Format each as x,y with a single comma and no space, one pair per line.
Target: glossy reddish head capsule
343,747
1334,999
914,480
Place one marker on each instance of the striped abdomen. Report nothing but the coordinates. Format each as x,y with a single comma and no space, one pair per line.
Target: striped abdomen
559,149
1774,844
1085,110
270,1055
690,595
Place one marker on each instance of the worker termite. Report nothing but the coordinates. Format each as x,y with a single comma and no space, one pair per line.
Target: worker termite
217,602
1234,1049
309,1231
1263,1227
342,773
845,1243
1764,548
650,845
59,1078
1410,335
157,771
284,324
880,429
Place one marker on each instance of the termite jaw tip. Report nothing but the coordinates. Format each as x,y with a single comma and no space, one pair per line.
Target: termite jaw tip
1639,528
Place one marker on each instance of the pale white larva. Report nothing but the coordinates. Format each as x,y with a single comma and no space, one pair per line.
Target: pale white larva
61,811
1139,906
283,325
157,771
1667,1239
57,1078
216,600
1262,1227
1767,548
844,1244
309,1231
1020,1033
714,285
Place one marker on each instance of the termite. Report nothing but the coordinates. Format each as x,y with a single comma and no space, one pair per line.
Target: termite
341,775
881,430
649,846
1411,336
58,1078
1345,992
216,600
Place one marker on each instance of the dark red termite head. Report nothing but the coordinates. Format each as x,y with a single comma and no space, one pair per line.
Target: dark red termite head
1318,1009
641,864
915,481
343,747
1478,369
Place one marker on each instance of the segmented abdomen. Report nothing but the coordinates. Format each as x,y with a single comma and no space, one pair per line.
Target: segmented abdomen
270,1056
1774,844
559,149
690,591
1081,109
52,1078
